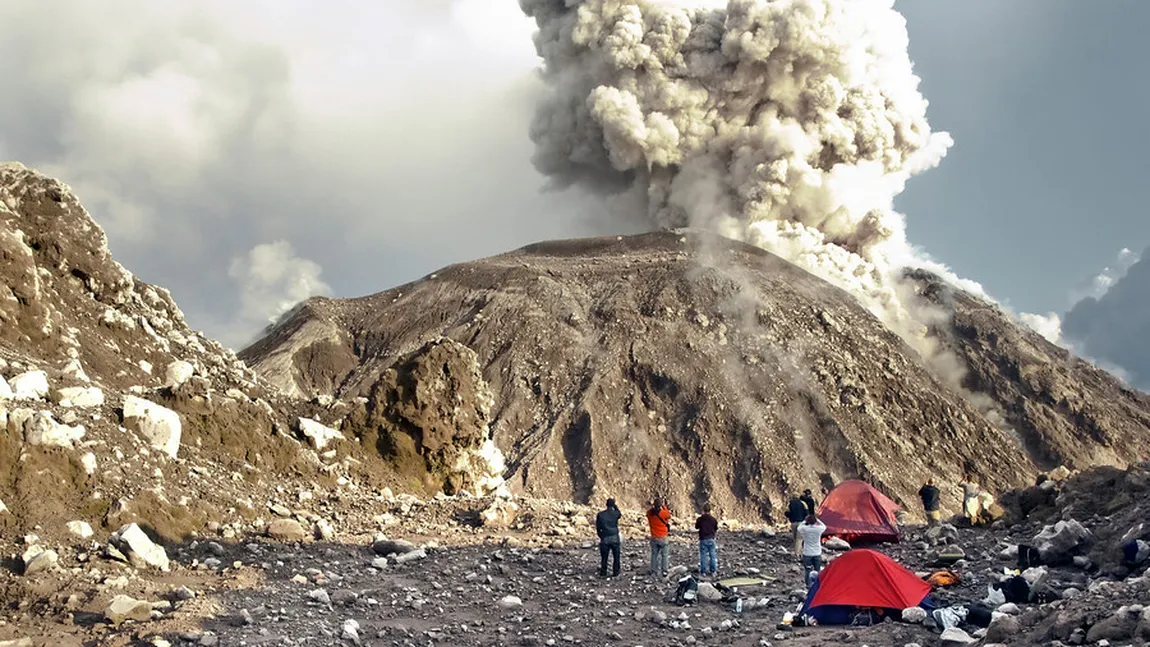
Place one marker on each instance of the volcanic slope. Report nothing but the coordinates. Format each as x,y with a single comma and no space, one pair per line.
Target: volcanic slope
682,363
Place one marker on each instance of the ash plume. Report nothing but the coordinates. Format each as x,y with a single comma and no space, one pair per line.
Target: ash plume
789,124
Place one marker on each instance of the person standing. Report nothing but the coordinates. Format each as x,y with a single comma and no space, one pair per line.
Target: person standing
808,500
659,521
610,542
796,512
708,527
971,504
811,532
930,498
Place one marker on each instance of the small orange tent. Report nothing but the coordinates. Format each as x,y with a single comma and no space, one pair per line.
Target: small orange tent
855,511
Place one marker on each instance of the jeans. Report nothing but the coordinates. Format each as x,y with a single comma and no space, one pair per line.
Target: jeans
811,564
659,558
609,548
708,557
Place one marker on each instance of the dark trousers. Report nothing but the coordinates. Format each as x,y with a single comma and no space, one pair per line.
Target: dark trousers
606,549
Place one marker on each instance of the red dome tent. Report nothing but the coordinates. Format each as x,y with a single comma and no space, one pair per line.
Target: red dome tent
856,511
863,582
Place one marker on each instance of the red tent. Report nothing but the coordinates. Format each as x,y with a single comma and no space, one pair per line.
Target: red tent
863,579
857,512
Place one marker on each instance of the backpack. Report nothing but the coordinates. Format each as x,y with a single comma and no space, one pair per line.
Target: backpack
1027,557
688,591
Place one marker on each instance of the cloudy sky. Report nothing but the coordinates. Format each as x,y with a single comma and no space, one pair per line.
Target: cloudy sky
249,153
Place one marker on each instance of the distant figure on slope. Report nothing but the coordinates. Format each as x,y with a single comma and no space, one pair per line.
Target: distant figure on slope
971,500
708,527
659,520
811,532
809,501
796,512
607,527
930,498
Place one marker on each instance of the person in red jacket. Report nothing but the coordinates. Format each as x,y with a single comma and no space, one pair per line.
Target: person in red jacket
659,520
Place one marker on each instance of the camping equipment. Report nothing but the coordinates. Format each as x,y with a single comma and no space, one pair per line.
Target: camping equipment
857,512
863,586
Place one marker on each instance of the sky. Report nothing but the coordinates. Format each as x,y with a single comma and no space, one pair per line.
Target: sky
249,153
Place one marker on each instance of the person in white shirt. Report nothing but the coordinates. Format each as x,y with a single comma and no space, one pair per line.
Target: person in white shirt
811,532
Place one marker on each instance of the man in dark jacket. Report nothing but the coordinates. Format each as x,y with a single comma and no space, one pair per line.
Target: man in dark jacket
708,527
808,500
607,527
929,496
796,514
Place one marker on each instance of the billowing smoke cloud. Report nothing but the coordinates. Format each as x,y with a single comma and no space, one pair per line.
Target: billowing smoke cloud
791,124
271,280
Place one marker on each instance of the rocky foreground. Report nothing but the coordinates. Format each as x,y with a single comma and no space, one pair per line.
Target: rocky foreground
459,570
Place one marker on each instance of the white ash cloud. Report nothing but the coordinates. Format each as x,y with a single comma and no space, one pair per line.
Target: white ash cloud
789,124
271,280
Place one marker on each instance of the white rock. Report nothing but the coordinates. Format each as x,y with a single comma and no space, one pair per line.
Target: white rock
75,370
410,556
324,530
79,396
145,366
955,637
3,508
42,429
31,385
836,543
509,602
138,548
351,631
178,372
319,435
123,607
37,559
89,462
708,592
160,425
5,390
914,615
80,528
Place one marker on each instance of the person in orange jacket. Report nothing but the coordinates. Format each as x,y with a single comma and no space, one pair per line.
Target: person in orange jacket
659,520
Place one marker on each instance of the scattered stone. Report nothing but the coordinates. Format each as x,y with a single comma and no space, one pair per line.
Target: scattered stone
131,541
37,559
123,607
42,429
159,425
319,434
286,530
1057,544
510,602
84,397
1003,629
30,385
81,529
350,631
837,544
387,547
914,615
955,637
177,373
